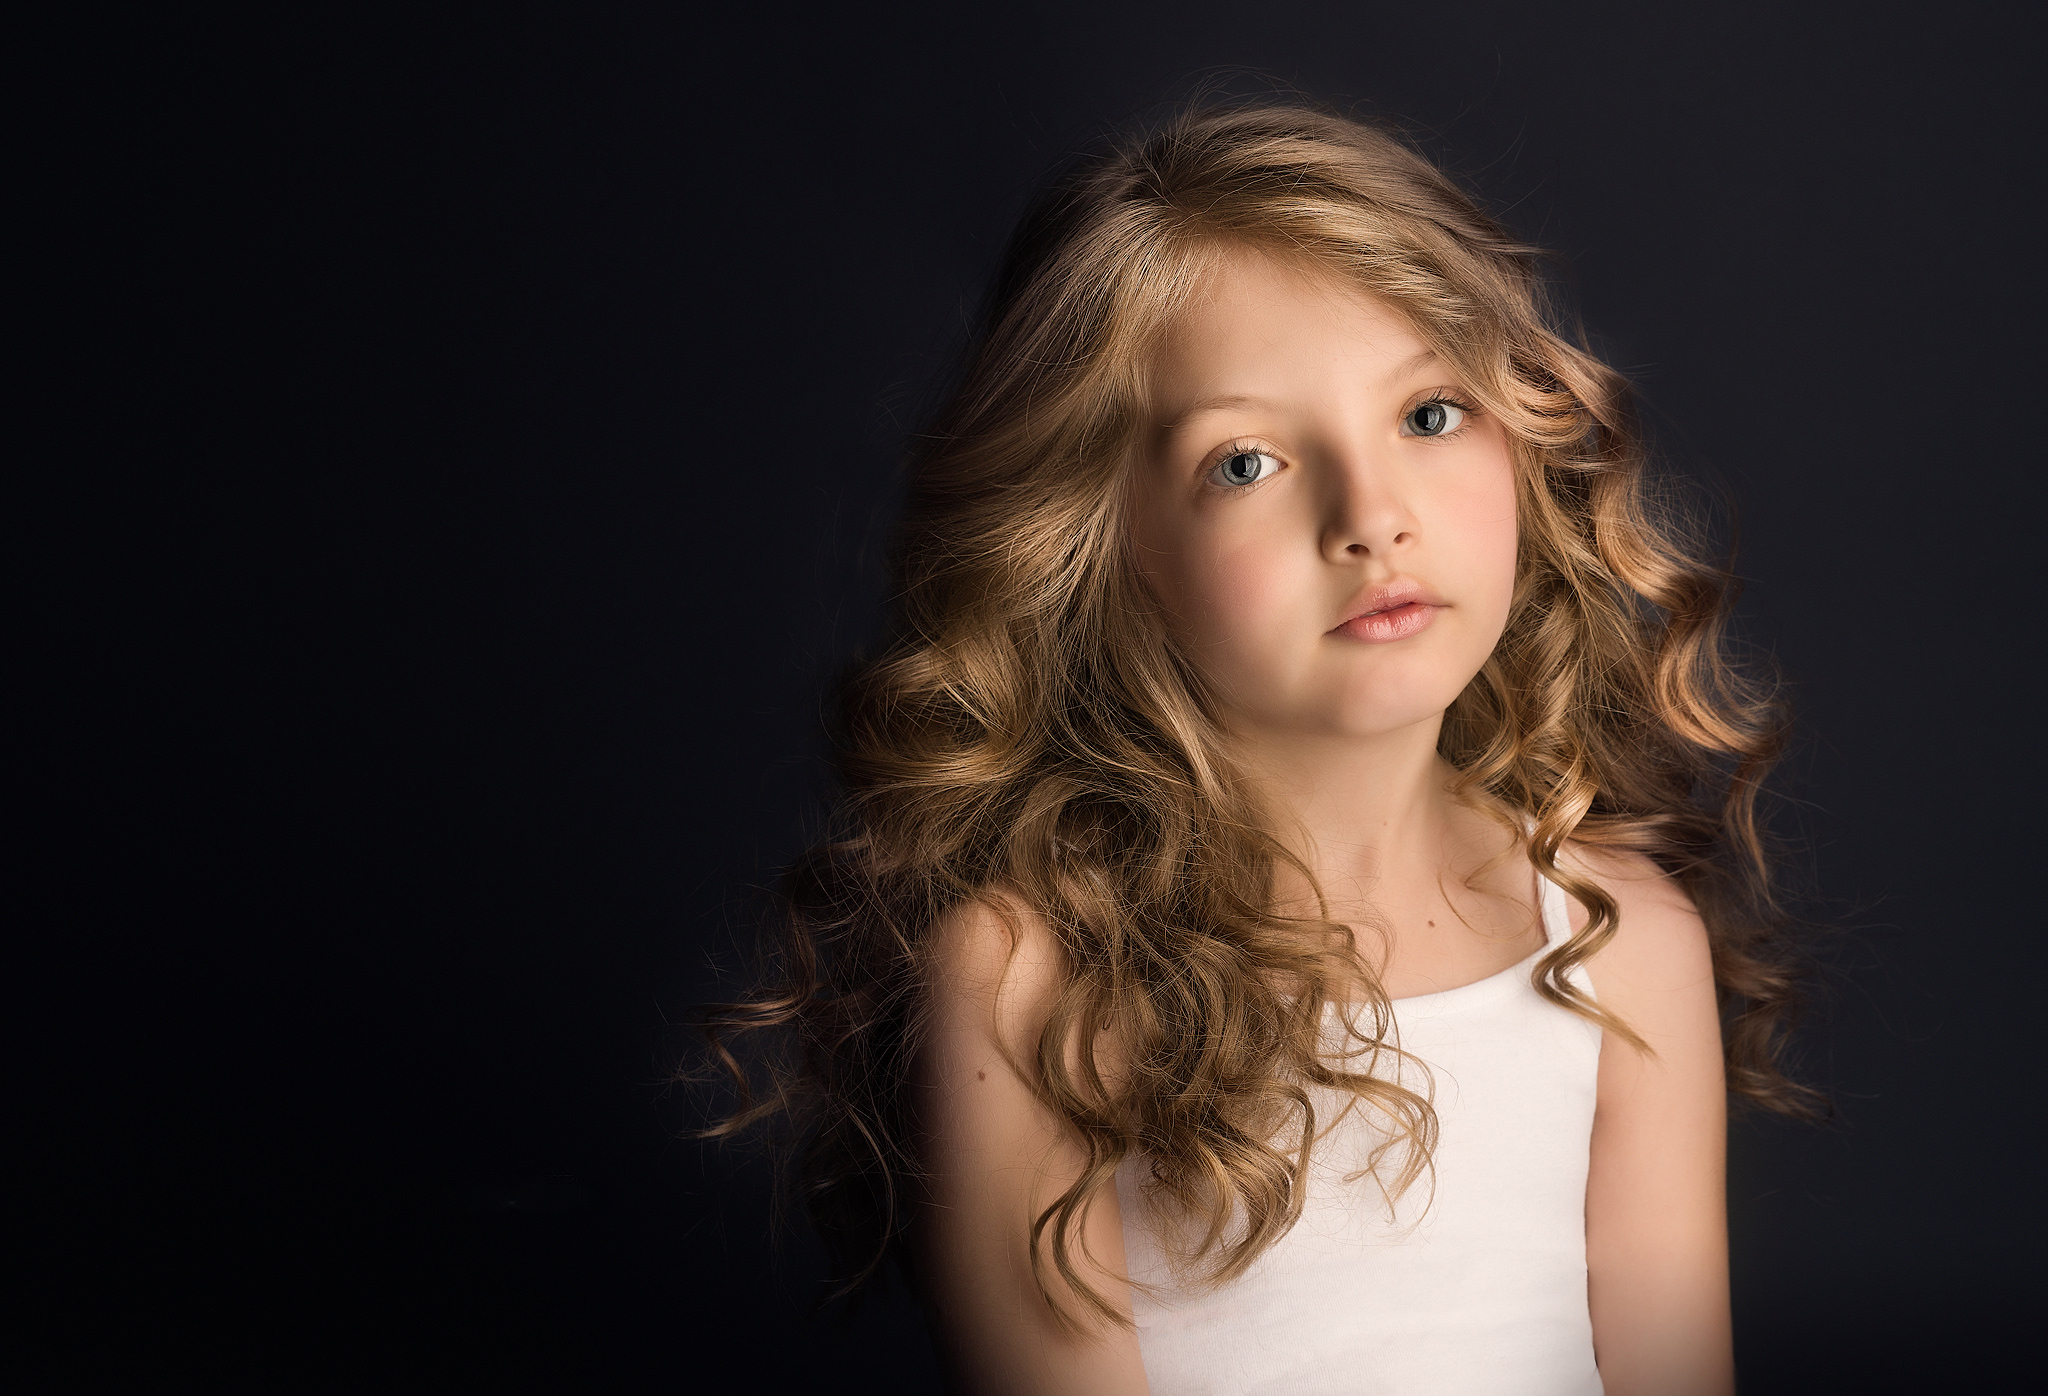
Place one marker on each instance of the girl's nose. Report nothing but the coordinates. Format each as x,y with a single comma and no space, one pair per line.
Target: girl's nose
1367,512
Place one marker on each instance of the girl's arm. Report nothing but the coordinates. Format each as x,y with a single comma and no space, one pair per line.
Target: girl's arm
996,1157
1656,1198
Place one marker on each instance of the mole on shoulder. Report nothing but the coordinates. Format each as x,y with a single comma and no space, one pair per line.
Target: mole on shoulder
981,1075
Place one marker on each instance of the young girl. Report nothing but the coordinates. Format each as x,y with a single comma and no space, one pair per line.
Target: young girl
1299,906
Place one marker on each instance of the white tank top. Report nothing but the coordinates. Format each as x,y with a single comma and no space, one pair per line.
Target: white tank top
1474,1288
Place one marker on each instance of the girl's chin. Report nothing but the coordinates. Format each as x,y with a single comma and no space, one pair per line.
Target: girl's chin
1356,722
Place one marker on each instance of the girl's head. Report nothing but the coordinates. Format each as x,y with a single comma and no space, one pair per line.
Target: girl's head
1251,394
1252,335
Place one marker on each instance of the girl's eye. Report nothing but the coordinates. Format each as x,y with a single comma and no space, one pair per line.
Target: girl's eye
1243,468
1433,418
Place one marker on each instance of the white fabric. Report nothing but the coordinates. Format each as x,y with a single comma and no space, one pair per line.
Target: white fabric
1474,1288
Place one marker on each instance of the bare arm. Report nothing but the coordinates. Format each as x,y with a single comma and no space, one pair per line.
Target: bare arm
996,1157
1656,1197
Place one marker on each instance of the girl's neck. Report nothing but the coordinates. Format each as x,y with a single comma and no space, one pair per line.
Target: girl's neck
1367,814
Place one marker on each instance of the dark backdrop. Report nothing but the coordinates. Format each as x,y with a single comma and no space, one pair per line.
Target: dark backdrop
480,426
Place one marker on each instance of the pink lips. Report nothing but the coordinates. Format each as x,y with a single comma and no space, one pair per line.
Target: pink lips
1391,612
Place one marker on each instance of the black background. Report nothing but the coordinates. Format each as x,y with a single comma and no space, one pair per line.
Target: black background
477,429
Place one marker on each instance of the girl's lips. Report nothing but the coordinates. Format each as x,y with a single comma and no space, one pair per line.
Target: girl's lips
1394,623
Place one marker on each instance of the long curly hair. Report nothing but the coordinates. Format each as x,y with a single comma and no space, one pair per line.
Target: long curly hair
1032,736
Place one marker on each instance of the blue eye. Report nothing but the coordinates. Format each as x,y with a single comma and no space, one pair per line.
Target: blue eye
1437,417
1241,468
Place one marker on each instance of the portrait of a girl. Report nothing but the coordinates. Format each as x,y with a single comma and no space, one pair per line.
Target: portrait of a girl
1299,911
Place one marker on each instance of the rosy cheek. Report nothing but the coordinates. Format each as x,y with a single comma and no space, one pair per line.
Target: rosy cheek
1240,631
1235,586
1485,511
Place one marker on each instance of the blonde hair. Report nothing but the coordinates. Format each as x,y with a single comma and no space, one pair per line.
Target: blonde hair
1032,731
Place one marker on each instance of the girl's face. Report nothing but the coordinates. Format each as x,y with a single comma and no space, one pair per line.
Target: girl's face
1326,518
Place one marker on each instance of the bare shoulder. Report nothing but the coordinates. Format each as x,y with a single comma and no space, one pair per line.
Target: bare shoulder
1659,948
992,972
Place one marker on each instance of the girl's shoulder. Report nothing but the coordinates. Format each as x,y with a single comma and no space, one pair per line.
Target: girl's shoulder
1659,954
994,966
994,974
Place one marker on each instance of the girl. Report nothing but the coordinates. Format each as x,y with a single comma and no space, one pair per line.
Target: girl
1300,904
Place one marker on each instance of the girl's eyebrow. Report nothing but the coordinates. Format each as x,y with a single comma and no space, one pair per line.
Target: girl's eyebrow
1222,403
1230,401
1407,366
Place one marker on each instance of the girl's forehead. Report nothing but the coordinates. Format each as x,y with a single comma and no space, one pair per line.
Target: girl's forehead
1252,322
1242,286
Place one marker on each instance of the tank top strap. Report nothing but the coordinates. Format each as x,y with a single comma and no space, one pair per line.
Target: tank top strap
1556,911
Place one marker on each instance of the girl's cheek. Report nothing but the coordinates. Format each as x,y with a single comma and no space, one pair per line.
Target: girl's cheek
1238,587
1485,511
